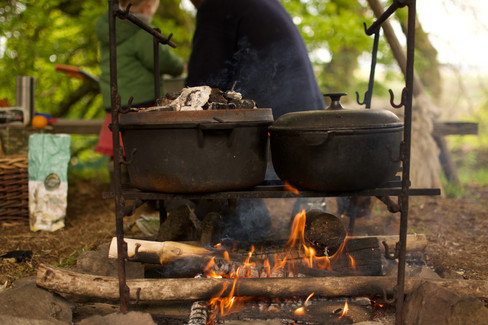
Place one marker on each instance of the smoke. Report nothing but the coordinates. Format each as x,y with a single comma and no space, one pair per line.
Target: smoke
275,75
249,221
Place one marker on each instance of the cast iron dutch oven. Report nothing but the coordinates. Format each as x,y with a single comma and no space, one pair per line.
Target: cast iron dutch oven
196,151
336,149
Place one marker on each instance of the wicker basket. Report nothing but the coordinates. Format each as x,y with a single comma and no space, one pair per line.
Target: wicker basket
14,188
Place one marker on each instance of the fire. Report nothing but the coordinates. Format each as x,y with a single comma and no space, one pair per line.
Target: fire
225,305
290,188
297,241
344,310
352,261
285,263
301,310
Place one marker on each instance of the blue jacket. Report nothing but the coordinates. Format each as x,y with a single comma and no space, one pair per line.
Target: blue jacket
255,44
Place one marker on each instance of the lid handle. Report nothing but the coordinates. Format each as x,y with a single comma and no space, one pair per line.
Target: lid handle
335,100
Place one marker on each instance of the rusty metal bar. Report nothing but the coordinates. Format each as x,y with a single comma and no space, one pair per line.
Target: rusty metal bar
116,181
157,76
407,141
368,95
377,24
125,14
268,192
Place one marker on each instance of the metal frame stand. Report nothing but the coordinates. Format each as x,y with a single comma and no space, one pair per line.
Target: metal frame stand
402,191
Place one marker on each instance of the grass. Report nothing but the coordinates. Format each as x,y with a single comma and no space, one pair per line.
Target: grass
69,260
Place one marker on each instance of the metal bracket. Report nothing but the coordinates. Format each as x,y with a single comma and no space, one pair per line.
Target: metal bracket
391,206
126,160
129,210
126,15
391,9
389,255
403,98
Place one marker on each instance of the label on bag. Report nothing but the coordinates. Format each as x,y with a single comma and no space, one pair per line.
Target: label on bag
49,155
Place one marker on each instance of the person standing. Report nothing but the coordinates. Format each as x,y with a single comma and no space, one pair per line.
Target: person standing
135,63
253,46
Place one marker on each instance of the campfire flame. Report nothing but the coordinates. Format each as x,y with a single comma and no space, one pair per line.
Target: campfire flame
301,310
286,262
344,310
288,187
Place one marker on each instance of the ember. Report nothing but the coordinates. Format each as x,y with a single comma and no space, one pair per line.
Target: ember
200,98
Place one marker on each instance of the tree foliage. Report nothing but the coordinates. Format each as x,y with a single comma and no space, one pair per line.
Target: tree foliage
37,35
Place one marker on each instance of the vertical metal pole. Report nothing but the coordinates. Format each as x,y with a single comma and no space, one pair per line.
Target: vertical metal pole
157,75
407,140
116,183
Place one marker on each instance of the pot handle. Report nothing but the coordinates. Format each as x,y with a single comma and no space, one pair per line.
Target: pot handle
228,128
316,139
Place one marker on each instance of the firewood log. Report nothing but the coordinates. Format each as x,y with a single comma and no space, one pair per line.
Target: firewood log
156,252
85,285
415,242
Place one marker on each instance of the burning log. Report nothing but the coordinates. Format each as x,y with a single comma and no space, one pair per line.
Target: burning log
198,313
69,282
360,256
324,230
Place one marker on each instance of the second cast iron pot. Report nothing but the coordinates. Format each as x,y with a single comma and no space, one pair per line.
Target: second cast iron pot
336,149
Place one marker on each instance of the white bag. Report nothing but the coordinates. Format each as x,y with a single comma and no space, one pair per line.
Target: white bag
49,155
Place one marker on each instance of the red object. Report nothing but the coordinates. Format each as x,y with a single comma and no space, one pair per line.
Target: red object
105,144
4,102
75,72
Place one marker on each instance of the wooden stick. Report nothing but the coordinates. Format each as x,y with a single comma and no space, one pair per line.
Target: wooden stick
69,282
415,242
156,252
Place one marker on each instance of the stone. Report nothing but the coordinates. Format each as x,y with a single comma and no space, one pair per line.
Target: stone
429,303
468,310
12,320
25,303
130,318
433,304
97,263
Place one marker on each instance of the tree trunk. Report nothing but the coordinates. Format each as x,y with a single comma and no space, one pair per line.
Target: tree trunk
429,66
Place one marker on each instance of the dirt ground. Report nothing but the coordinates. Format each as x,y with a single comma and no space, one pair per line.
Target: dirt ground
456,229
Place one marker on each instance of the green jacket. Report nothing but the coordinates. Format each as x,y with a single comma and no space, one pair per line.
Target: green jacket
135,62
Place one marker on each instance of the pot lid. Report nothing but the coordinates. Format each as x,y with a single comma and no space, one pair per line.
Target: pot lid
337,117
175,118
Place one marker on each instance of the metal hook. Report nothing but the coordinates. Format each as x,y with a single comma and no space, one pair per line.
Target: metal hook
403,98
386,299
138,297
124,160
123,14
390,256
374,53
129,106
366,95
